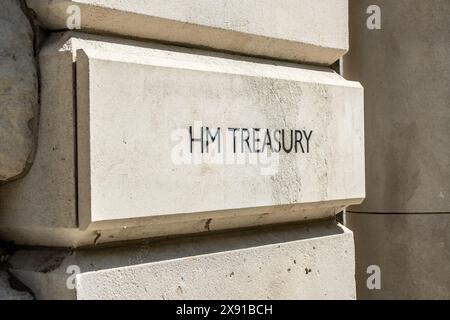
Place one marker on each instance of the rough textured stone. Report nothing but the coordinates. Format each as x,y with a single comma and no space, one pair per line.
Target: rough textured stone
404,68
313,261
132,97
302,30
412,251
8,293
18,91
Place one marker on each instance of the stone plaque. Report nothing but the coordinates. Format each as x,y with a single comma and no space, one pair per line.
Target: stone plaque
177,140
161,132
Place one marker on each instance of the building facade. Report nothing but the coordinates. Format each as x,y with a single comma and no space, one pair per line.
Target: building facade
203,149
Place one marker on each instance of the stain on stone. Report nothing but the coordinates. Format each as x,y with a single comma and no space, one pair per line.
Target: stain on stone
52,262
307,270
179,290
97,237
207,224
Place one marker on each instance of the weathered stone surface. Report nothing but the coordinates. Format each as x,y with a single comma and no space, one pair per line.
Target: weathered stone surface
136,137
301,30
133,101
404,68
18,90
412,251
45,197
8,293
313,261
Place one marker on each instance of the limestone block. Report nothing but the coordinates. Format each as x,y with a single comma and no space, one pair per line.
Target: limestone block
404,68
313,261
18,91
125,160
301,30
45,197
412,251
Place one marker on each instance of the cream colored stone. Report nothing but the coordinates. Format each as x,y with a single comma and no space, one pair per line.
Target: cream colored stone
314,261
46,196
412,251
301,30
18,91
132,98
404,69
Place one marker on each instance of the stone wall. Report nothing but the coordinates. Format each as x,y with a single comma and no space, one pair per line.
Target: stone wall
122,164
403,225
18,91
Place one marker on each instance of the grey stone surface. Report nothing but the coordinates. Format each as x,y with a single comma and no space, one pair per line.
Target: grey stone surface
404,68
8,293
18,91
412,251
311,261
